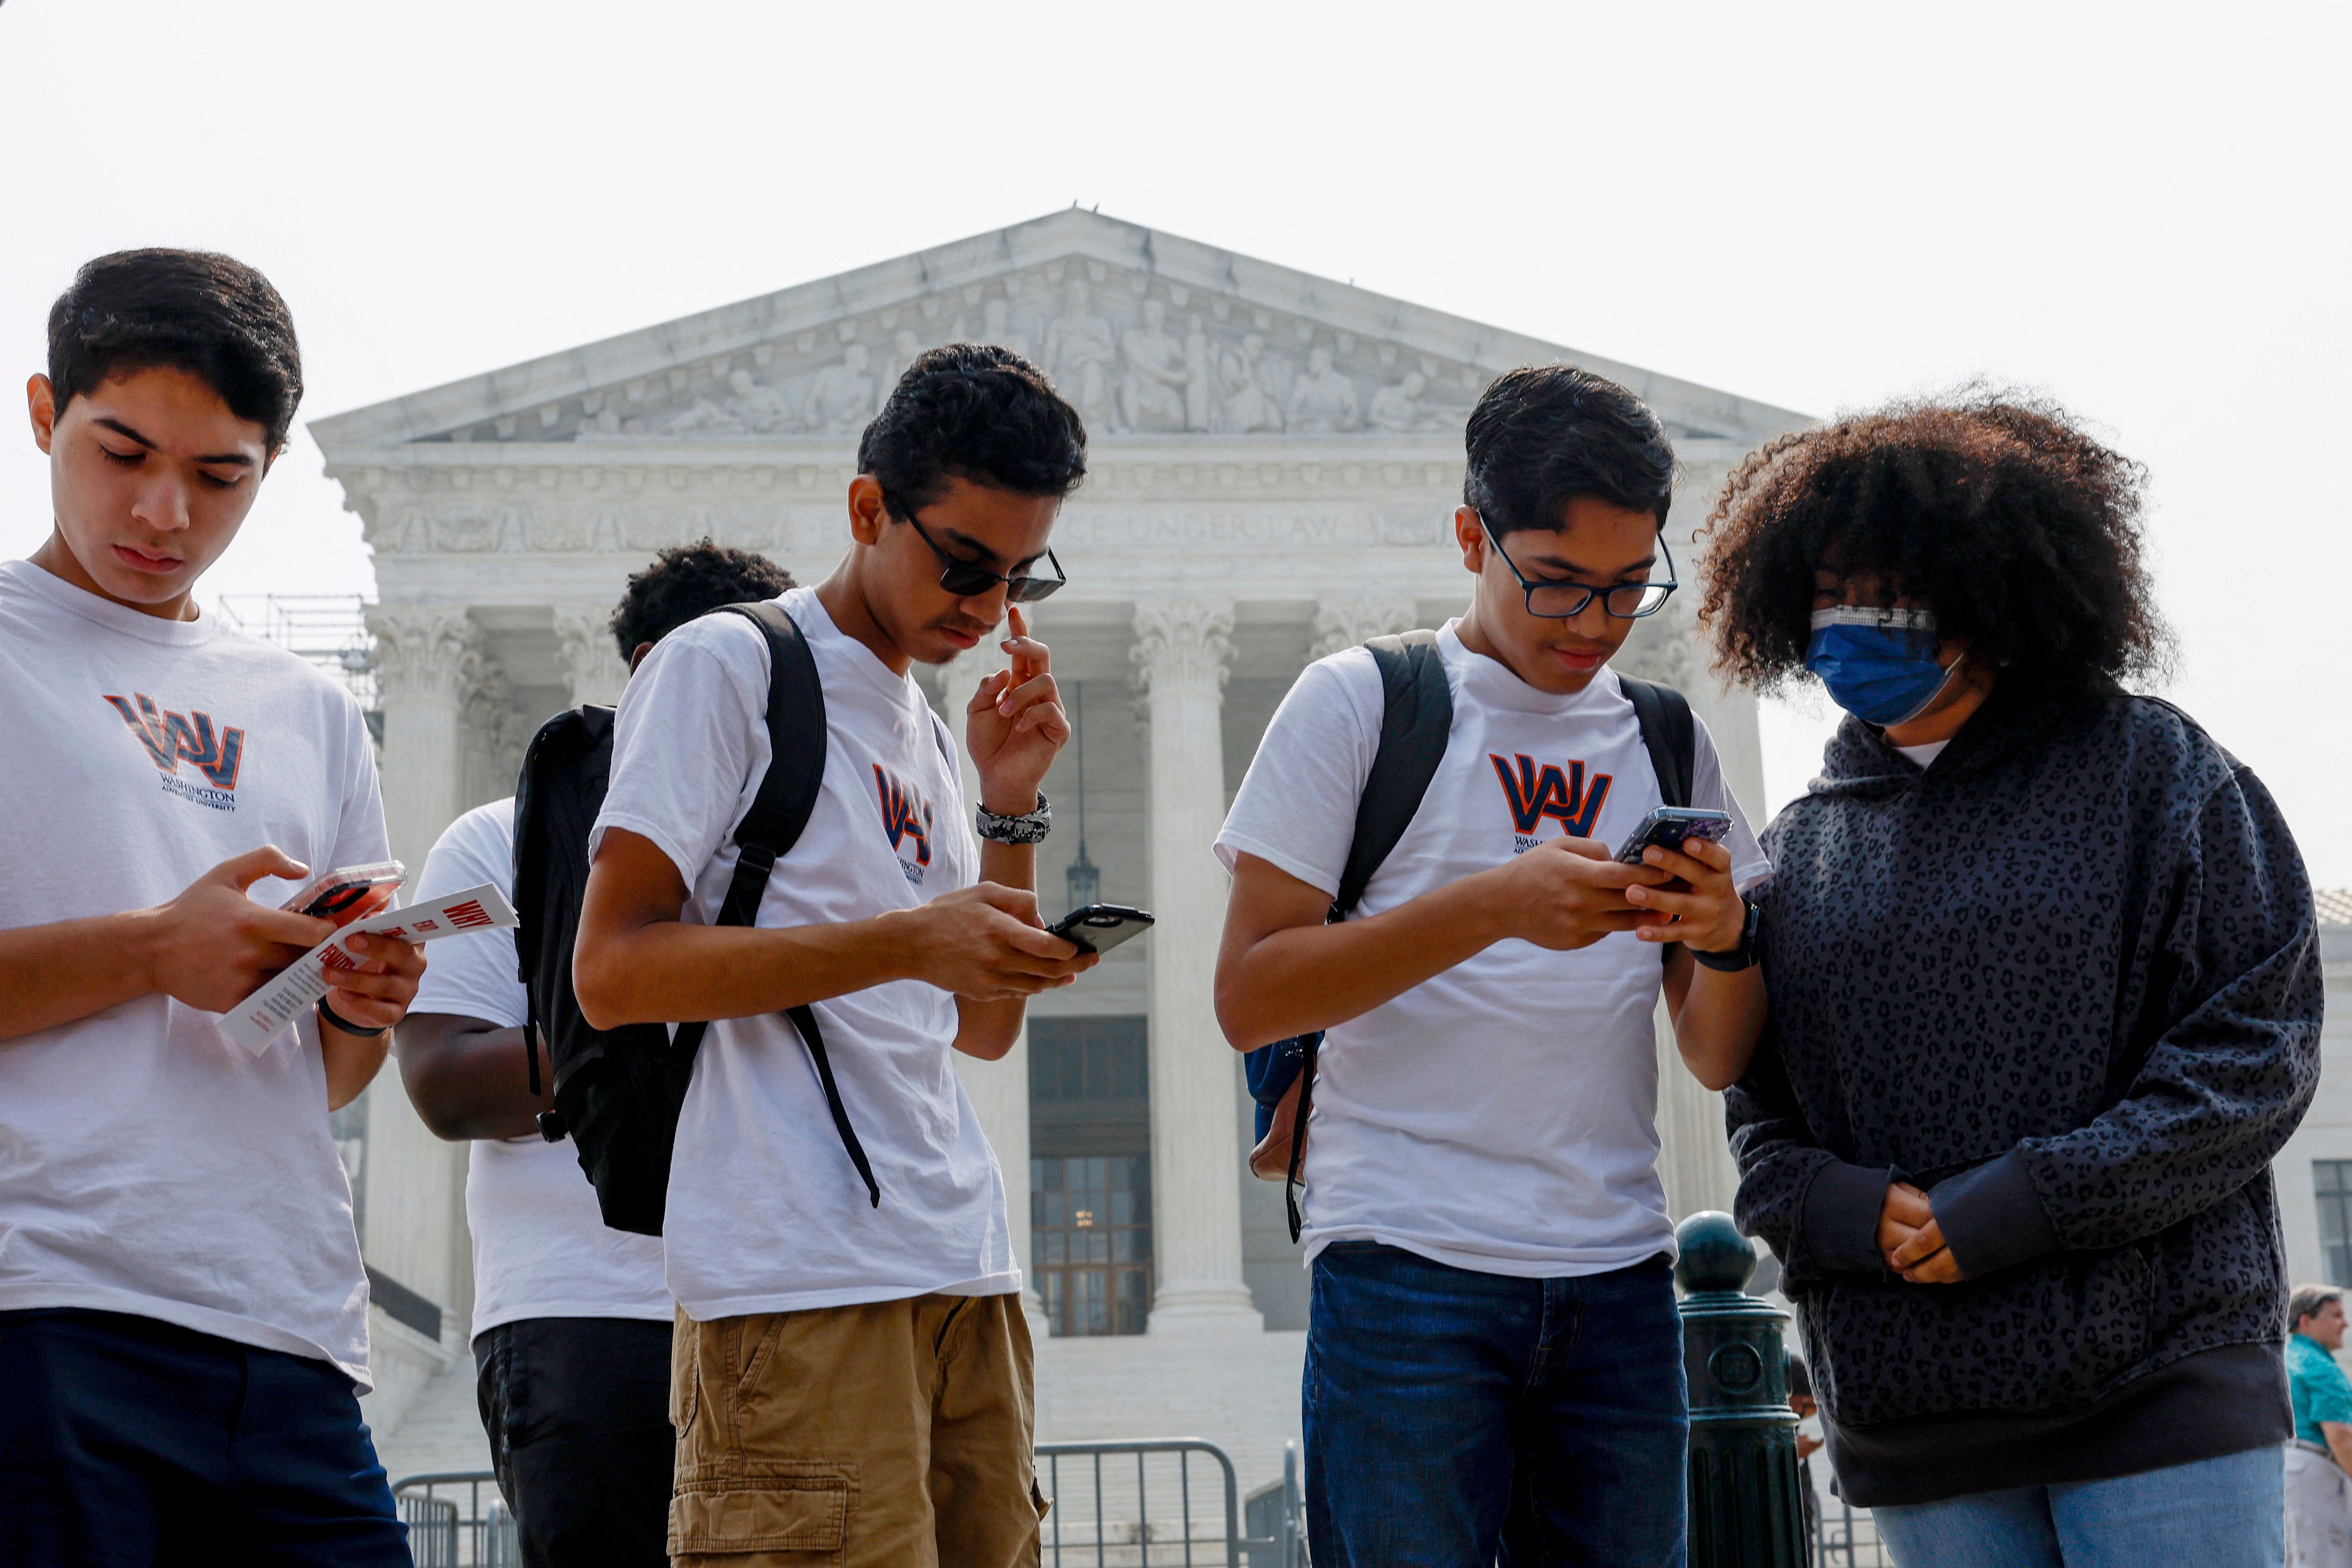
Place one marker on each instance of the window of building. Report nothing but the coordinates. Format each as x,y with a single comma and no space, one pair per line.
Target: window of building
2333,1180
1091,1172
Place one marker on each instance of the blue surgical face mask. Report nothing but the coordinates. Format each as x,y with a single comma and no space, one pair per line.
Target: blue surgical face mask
1879,664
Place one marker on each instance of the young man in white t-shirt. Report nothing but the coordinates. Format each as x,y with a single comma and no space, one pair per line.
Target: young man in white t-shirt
1492,1332
572,1318
852,1372
182,1312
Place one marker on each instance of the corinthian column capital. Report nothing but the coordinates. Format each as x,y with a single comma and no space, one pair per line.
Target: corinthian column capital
1182,644
424,651
592,666
1344,622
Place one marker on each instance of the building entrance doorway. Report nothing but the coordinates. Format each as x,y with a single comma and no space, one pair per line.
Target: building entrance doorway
1090,1174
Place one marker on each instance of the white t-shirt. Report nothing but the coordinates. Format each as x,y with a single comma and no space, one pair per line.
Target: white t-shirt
148,1164
1501,1116
766,1213
1923,756
542,1248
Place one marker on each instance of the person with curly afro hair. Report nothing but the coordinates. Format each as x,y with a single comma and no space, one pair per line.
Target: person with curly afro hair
2045,1002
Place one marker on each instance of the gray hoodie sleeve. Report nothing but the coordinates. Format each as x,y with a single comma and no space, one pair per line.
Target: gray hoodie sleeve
2230,1008
1817,1213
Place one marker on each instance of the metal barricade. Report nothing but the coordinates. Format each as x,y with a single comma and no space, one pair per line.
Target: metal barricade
1166,1500
456,1518
1845,1539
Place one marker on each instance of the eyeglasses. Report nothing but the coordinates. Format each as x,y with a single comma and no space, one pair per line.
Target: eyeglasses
1562,601
970,579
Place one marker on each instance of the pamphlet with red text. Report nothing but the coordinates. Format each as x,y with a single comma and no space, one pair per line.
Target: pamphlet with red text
261,1017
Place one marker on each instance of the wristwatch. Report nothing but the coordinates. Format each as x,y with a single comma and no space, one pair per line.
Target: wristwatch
1743,957
1029,827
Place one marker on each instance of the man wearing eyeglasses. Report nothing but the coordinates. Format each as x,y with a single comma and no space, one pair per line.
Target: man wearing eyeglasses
851,1378
1494,1358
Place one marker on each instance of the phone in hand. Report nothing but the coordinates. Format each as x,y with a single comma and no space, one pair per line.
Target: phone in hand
1099,927
1670,825
353,893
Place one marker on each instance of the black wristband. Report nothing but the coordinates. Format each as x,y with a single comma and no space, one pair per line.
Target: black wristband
328,1015
1743,957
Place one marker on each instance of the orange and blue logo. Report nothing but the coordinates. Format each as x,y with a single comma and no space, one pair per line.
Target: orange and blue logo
904,815
1534,793
170,739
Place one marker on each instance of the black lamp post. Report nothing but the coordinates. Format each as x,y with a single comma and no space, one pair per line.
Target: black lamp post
1745,1511
1083,877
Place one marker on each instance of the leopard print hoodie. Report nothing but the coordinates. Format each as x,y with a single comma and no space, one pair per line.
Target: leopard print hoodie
2066,978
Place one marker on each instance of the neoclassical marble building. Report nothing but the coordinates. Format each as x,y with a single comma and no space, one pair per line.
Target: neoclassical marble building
1276,458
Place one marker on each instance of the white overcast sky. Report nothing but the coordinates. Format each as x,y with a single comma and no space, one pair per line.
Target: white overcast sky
2139,209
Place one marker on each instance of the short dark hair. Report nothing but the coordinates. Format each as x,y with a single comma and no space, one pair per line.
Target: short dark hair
207,314
1996,508
1800,1377
687,582
975,412
1544,435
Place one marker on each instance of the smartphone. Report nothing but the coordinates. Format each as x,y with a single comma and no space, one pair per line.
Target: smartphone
353,893
1099,927
1669,825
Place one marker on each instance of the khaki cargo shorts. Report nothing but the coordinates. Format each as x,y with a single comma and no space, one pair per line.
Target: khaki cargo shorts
894,1432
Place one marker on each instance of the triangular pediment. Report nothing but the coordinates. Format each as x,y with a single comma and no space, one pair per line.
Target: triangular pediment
1152,336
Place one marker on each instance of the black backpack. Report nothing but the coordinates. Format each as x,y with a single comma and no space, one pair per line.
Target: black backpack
1418,710
618,1091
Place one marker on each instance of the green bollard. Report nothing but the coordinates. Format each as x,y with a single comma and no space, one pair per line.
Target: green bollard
1745,1511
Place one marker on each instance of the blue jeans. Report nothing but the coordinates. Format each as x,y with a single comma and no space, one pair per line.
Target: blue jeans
2227,1512
126,1442
1441,1403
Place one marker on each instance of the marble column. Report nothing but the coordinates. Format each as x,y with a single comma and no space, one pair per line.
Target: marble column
999,1089
1181,653
591,664
1343,623
426,660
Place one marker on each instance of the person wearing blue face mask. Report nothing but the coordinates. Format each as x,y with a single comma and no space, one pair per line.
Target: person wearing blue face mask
2045,1003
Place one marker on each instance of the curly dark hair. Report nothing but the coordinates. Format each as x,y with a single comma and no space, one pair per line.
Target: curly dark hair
978,413
685,582
1997,509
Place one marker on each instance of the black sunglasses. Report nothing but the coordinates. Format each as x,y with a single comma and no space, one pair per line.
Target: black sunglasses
970,579
1562,601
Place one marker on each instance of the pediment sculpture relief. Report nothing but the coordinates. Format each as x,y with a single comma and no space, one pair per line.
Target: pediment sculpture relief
1135,356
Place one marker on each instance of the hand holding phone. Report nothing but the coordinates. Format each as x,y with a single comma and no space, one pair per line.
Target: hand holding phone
1099,927
1670,826
353,893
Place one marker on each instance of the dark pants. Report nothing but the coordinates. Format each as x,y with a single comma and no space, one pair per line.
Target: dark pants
577,1410
1441,1402
124,1440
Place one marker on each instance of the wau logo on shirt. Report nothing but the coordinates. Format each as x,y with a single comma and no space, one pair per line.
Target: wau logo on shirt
904,815
171,738
1533,794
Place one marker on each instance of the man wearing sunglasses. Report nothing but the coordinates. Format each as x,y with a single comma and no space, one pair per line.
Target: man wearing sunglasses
851,1378
1493,1360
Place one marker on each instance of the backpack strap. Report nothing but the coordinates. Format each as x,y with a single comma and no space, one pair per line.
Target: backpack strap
780,811
1416,716
1668,733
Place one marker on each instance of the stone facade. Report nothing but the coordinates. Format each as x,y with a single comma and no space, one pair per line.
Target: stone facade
1275,462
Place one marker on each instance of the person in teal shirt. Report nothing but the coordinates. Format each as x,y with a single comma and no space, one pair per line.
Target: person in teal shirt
2319,1488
